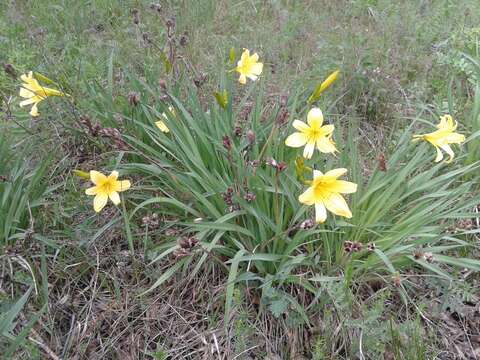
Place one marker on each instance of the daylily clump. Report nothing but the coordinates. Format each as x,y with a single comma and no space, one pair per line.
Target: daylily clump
325,193
442,137
161,124
34,93
312,135
106,187
248,66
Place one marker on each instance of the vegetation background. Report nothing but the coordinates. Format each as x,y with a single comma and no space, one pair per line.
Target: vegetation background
76,285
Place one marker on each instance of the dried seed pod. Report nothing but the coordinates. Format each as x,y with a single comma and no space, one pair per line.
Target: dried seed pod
348,246
152,221
250,137
227,143
9,70
237,130
135,15
188,242
271,162
171,232
357,246
282,116
428,257
281,166
417,254
397,280
156,7
382,166
181,253
133,98
307,224
249,196
184,39
200,79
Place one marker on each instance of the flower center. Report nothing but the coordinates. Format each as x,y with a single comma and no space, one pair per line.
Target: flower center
322,188
107,187
315,133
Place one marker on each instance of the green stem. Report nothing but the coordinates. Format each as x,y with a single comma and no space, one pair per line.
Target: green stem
128,230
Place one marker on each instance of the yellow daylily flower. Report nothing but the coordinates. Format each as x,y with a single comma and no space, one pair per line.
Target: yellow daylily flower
323,86
161,125
248,66
313,134
324,192
442,137
33,92
106,187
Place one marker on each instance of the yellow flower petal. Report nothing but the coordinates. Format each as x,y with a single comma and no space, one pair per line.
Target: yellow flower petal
320,213
336,204
455,138
308,197
242,79
113,176
115,197
122,185
28,101
309,149
257,68
244,57
336,173
317,173
91,191
439,154
300,126
34,110
315,118
97,177
344,187
296,140
325,145
99,202
25,93
328,129
449,151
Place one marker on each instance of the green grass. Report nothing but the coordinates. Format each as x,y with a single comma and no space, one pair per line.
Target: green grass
255,284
